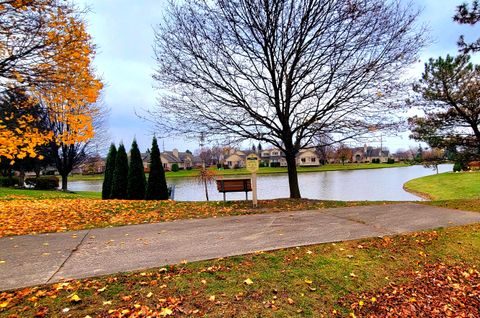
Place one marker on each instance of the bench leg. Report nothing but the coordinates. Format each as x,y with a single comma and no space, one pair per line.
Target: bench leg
246,195
224,197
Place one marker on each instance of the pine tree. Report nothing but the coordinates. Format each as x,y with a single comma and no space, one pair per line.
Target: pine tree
109,168
136,175
120,175
157,184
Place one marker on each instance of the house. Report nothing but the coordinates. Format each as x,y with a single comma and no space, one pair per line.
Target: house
273,158
368,154
235,159
184,160
308,158
93,165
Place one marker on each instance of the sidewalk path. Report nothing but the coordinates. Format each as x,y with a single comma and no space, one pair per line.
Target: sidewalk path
38,259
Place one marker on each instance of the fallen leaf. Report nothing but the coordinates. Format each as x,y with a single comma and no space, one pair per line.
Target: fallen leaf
75,298
248,281
166,312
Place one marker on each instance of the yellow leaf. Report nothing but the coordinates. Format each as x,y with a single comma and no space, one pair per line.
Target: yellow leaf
212,298
102,289
4,304
75,298
308,281
166,312
108,302
150,294
248,281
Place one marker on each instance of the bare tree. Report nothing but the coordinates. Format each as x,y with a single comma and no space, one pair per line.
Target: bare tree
344,154
281,72
432,158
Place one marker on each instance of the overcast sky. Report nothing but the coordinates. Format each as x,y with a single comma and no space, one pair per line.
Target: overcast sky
123,32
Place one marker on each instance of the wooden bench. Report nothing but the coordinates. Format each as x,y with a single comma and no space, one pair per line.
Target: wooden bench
234,185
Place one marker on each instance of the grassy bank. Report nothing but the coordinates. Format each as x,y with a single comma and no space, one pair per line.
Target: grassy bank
446,186
12,194
328,280
265,170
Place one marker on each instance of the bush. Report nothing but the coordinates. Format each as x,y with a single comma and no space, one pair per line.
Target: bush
274,164
391,161
120,174
189,168
262,164
157,184
219,166
457,167
8,181
109,168
136,176
43,183
175,167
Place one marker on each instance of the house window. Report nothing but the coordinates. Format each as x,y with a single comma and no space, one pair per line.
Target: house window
303,160
275,153
313,159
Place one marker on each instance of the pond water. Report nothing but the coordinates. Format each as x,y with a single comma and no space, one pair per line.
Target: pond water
371,184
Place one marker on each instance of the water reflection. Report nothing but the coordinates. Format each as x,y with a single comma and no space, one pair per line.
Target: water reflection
373,184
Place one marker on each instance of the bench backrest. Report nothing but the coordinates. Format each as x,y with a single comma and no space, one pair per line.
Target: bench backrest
234,185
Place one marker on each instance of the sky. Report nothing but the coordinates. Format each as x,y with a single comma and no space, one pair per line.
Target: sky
122,30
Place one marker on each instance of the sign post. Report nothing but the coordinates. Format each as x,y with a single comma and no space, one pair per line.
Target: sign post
252,165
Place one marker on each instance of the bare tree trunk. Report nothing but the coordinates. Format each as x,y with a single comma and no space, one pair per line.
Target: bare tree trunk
206,189
65,182
21,178
292,175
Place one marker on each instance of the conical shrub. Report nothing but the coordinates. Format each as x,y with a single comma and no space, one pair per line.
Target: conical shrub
120,175
136,174
108,176
157,184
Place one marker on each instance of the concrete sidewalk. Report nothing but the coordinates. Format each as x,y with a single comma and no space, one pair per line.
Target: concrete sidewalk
46,258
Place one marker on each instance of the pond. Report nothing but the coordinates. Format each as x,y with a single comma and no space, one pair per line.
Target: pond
368,184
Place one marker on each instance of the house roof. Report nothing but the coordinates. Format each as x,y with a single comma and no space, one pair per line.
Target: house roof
168,155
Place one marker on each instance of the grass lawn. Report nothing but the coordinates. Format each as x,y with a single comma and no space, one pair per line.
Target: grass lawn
13,194
420,272
447,186
265,170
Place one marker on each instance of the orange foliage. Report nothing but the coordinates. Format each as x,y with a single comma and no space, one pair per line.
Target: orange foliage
72,88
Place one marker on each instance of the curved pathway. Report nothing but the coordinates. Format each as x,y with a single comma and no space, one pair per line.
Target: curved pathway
39,259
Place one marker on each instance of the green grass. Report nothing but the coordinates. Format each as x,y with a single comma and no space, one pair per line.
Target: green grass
264,170
10,193
446,186
307,281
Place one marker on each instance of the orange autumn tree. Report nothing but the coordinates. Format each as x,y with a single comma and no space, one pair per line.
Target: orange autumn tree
70,103
46,50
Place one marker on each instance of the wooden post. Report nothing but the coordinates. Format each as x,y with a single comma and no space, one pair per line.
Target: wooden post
252,166
254,189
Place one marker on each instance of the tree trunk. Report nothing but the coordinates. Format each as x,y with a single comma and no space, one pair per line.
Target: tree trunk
292,175
64,182
21,178
206,189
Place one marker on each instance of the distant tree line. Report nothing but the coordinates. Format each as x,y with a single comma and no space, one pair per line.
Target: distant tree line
125,179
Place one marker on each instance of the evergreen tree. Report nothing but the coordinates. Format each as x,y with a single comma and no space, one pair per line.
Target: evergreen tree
136,175
120,175
259,147
157,184
109,168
